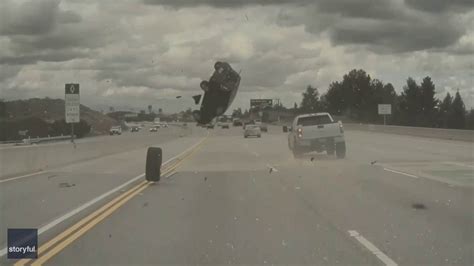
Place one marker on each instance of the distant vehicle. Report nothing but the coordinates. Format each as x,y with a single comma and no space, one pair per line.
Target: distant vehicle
316,132
134,129
237,123
252,130
153,129
263,127
210,125
115,131
225,125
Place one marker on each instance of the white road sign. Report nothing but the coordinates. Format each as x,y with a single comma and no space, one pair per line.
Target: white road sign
385,109
72,103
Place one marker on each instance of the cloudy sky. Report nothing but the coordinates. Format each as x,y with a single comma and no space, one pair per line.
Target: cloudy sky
132,53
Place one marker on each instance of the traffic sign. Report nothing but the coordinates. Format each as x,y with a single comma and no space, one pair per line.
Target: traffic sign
72,103
262,103
385,109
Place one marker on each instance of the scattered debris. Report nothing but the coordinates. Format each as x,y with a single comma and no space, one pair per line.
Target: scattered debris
374,162
145,204
205,178
418,206
66,184
312,159
110,235
52,176
177,97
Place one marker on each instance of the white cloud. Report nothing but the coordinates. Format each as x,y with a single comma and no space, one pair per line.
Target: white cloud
130,53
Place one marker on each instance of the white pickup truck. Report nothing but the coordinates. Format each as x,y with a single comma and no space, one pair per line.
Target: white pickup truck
316,132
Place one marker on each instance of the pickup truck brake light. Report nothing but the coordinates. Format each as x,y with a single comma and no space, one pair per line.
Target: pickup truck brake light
300,132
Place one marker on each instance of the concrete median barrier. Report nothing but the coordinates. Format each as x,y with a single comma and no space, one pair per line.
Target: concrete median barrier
439,133
20,160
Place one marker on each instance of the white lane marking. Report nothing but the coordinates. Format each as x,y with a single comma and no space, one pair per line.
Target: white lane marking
372,248
22,176
401,173
75,211
460,164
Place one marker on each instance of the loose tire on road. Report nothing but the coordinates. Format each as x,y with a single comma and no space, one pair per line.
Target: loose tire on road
153,164
341,150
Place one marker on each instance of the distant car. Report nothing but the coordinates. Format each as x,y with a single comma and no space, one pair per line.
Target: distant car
237,123
226,126
134,129
252,130
263,127
154,129
115,131
211,126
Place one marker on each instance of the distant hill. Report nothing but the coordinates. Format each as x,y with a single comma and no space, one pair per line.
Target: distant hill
50,110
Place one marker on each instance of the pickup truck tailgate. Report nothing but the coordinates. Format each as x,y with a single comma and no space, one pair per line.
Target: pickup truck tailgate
320,131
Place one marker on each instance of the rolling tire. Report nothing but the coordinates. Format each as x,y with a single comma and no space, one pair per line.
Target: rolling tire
153,164
341,150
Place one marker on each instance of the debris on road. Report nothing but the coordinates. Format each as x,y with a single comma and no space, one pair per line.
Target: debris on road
374,162
66,184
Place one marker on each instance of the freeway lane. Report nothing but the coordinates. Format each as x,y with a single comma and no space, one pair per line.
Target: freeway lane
36,201
225,206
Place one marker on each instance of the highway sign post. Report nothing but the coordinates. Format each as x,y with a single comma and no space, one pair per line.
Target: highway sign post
72,105
385,109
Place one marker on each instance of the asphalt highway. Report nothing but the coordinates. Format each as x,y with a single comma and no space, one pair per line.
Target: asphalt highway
394,200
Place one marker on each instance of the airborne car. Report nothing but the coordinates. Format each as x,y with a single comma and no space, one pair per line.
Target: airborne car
219,93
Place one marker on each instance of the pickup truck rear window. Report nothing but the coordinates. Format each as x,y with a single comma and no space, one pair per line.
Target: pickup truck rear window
314,120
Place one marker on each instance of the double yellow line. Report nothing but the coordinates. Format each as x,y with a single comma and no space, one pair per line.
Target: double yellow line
61,241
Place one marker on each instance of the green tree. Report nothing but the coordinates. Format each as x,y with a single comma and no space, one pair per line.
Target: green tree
310,102
410,104
445,110
237,113
470,120
335,99
429,102
457,117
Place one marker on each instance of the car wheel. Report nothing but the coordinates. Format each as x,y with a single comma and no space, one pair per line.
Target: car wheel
217,65
204,85
153,164
341,150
